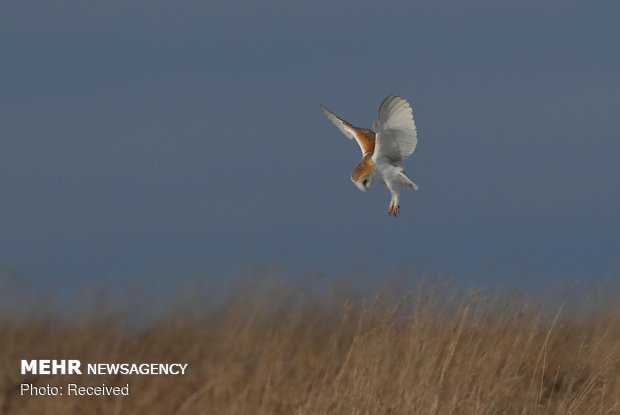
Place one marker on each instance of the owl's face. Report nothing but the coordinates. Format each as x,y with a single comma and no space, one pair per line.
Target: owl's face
364,183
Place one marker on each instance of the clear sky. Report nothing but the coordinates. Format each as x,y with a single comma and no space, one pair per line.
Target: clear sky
168,138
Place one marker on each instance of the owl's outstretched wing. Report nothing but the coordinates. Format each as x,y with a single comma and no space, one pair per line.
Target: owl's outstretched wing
365,138
396,133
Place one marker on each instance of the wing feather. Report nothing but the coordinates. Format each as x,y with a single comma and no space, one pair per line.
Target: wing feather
396,136
365,138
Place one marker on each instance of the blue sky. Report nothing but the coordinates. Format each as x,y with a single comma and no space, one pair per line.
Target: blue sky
169,138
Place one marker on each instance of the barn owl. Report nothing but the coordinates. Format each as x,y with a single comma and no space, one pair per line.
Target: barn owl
394,138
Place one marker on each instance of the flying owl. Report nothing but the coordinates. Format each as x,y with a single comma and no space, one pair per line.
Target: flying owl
394,138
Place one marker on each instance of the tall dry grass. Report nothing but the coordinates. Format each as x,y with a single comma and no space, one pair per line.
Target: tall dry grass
274,349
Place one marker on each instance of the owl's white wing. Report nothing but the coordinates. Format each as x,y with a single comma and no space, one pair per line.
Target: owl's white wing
364,138
396,133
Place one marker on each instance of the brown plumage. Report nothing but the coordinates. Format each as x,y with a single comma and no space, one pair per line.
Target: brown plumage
365,138
365,167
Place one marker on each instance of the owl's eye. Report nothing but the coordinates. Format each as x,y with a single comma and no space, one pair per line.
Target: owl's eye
365,182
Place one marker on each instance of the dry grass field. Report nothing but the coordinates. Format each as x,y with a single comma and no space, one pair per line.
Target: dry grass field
275,349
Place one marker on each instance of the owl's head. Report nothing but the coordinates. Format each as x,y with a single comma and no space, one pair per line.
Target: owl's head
362,175
363,183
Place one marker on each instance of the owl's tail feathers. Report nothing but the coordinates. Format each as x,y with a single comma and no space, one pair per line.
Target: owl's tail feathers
407,182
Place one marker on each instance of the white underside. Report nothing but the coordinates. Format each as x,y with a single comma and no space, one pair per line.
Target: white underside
394,178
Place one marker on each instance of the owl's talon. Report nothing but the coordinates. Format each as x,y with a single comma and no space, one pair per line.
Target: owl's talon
393,209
